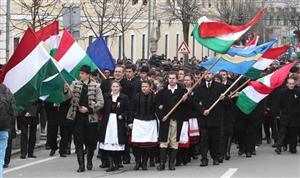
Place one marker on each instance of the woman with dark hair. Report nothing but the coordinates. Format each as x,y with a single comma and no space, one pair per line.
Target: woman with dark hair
112,129
144,127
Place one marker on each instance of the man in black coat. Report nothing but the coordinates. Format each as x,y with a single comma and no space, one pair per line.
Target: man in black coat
210,121
130,71
289,107
170,127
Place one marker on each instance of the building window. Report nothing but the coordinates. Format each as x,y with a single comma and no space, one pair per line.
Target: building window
177,44
143,46
16,42
120,46
90,39
278,20
271,20
132,47
166,45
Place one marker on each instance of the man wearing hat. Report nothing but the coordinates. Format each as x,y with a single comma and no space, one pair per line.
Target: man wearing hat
86,101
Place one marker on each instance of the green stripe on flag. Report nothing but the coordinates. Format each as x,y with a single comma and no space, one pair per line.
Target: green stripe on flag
253,73
85,61
245,104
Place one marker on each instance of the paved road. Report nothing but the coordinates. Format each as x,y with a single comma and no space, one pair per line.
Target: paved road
265,164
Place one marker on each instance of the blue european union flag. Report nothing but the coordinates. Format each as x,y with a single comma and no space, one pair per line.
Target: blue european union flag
100,54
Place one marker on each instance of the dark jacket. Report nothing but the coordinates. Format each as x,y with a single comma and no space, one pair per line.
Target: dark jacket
166,100
33,119
206,97
289,106
127,87
122,116
143,107
8,111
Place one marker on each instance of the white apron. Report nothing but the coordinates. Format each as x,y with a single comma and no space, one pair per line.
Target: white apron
144,131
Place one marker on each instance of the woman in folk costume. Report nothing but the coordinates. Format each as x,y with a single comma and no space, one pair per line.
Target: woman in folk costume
113,130
194,131
144,128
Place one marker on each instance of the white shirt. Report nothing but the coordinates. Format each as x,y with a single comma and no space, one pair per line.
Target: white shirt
208,84
115,97
172,88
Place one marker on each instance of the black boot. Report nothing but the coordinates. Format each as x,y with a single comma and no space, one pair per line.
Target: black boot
228,148
144,161
172,159
89,158
80,159
204,162
163,154
111,164
138,164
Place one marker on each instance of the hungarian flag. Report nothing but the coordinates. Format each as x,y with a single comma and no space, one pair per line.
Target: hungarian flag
71,56
220,36
50,35
27,68
265,61
259,89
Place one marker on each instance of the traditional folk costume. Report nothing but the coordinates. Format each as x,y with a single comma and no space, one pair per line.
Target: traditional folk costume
144,131
112,129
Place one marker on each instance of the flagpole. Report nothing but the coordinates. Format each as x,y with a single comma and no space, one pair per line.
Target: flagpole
101,73
193,87
235,91
232,85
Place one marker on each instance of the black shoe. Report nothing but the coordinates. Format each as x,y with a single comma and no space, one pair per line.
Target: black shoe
216,162
227,156
278,151
274,145
104,165
220,160
293,151
89,158
47,147
110,162
80,159
195,157
52,153
110,169
241,152
161,167
152,163
269,141
137,166
248,155
253,152
284,148
5,165
63,155
204,163
31,156
68,152
23,156
127,161
163,156
172,159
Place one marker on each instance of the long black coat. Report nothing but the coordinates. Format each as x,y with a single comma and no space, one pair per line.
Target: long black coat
206,97
288,104
167,100
122,111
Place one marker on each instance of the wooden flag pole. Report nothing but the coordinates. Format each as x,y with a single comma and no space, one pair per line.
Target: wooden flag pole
190,91
235,91
232,85
101,73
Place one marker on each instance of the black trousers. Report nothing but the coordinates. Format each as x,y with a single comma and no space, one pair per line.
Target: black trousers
85,133
247,132
28,140
210,140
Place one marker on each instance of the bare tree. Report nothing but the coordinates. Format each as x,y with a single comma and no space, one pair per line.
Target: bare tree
41,12
99,16
126,15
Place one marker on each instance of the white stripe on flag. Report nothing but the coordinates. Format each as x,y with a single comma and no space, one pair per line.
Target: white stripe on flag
252,94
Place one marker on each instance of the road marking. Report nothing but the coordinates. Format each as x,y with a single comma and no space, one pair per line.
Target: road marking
229,173
32,163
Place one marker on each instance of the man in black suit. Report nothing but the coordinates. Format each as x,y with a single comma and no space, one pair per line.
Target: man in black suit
130,71
210,121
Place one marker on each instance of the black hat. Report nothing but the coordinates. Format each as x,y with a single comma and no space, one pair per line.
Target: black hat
145,69
86,69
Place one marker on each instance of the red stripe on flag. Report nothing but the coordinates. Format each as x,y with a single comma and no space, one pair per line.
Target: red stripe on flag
274,53
45,33
279,76
260,87
27,44
65,43
213,29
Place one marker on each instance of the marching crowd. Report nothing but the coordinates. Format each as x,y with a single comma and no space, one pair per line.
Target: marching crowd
129,111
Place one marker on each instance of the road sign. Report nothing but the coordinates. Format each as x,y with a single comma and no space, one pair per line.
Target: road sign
184,49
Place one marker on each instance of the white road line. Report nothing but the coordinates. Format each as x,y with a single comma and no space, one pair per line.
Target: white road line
32,163
229,173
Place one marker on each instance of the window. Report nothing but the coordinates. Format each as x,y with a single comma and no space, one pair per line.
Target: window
132,47
90,39
16,42
166,45
120,46
143,45
271,20
177,44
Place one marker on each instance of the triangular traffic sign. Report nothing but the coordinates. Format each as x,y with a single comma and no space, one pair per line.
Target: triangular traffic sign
183,48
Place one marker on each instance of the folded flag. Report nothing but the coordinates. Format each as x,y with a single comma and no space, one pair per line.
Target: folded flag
265,61
259,89
220,36
27,68
71,56
238,60
100,54
50,35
